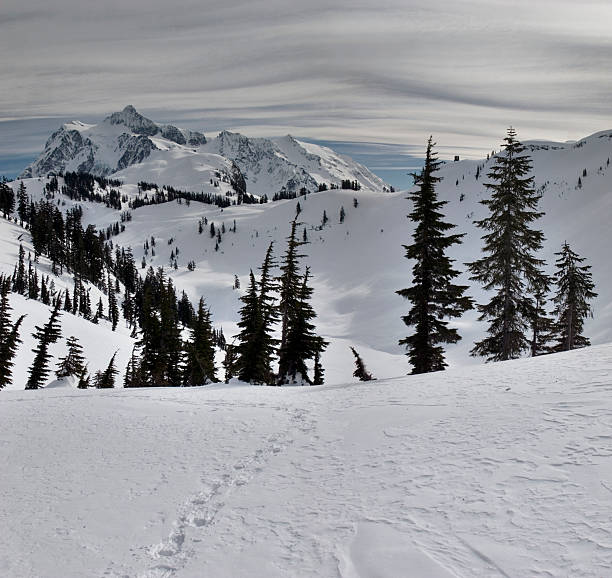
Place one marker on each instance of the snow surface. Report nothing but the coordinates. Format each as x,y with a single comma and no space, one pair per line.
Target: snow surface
499,470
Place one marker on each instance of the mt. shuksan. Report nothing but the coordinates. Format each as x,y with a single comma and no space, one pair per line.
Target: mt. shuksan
132,147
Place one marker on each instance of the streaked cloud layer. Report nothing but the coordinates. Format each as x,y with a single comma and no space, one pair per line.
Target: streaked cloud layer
385,71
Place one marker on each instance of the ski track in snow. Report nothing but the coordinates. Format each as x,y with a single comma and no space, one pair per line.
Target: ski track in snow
501,471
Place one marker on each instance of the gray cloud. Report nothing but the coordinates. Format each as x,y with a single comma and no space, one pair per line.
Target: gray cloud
390,71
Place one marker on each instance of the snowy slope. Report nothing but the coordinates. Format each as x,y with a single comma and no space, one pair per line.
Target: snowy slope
499,470
133,148
359,264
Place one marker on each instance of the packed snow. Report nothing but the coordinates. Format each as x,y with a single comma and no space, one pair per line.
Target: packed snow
498,470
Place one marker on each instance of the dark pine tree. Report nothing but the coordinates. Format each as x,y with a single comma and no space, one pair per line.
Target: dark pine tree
74,362
267,344
574,283
248,349
301,343
7,199
542,325
229,362
45,335
106,379
509,266
318,375
360,372
199,368
113,309
23,203
9,333
433,295
20,280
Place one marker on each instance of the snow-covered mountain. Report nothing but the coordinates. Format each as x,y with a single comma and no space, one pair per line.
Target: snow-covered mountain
133,148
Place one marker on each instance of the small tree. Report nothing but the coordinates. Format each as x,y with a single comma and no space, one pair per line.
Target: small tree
74,362
229,363
106,379
574,291
46,335
342,214
360,372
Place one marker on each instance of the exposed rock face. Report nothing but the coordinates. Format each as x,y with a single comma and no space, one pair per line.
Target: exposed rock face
174,134
135,150
133,120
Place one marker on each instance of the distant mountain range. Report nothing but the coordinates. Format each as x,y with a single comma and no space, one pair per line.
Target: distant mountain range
132,148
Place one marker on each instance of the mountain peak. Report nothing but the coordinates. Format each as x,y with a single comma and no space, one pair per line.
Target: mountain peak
133,120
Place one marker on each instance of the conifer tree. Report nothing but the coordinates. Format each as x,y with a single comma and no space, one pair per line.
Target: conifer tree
22,203
360,372
267,344
199,366
106,379
318,377
133,372
509,266
7,199
301,342
113,309
84,379
542,325
74,362
575,286
433,295
229,362
20,282
9,333
248,350
45,335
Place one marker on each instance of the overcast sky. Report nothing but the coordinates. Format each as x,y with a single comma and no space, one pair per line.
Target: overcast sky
383,71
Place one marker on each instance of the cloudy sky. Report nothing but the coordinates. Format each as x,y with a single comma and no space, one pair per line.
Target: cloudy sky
367,71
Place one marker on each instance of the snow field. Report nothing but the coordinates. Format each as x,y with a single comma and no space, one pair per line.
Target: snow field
500,470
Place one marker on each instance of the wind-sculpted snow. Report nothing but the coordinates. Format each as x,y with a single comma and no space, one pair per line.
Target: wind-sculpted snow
501,470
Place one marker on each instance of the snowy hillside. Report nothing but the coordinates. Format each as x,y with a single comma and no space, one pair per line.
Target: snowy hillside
359,264
133,148
499,470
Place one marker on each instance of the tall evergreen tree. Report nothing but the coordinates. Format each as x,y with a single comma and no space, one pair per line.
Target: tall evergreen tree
9,333
301,343
433,295
113,309
268,286
199,366
248,351
20,280
45,335
575,286
23,203
509,266
7,199
74,362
